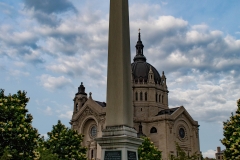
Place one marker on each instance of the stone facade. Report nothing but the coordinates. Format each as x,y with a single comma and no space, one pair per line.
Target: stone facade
165,126
219,154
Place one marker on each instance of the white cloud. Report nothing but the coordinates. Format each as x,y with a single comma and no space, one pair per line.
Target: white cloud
195,37
17,73
200,27
69,65
19,64
87,64
177,58
51,83
204,99
156,28
34,56
67,115
209,153
48,111
18,38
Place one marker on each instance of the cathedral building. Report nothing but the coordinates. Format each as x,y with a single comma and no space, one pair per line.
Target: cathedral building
152,117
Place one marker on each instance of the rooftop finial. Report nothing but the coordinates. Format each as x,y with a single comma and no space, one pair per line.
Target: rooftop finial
139,34
90,95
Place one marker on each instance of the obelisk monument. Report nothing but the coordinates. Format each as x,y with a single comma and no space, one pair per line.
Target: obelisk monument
119,87
119,140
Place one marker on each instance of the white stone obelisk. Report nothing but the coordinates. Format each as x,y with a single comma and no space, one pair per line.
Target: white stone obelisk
119,139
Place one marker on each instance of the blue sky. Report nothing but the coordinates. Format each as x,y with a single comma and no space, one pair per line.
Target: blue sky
48,48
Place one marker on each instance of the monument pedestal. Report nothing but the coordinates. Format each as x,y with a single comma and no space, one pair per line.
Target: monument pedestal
119,143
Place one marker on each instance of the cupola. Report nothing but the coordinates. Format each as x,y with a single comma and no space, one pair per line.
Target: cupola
81,89
140,68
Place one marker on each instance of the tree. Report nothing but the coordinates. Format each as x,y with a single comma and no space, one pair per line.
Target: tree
5,155
45,154
182,155
65,143
147,151
18,139
231,132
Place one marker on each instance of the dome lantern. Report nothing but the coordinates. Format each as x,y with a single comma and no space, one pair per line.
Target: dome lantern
139,50
141,69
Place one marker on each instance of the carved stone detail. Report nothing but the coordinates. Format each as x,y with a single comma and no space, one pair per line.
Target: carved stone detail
170,125
195,130
88,111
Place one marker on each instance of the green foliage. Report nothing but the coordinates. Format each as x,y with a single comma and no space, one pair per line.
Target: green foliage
6,155
45,154
18,139
231,132
182,155
65,143
147,151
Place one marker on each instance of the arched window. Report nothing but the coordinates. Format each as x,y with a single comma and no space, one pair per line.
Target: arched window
159,98
77,107
156,97
136,96
162,98
145,96
141,96
153,130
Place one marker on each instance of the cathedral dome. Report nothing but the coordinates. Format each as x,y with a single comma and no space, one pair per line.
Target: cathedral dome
140,68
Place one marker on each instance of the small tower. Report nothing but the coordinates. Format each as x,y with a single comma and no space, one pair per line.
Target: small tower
164,96
151,76
164,83
80,98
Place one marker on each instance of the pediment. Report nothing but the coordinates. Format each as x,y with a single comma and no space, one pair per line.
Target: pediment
181,112
89,108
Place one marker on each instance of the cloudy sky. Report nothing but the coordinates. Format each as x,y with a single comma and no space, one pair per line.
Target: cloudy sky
48,47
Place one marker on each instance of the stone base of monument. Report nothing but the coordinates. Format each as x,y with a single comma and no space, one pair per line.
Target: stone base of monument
119,143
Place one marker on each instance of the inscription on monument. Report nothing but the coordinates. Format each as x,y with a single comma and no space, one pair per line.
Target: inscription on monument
132,155
113,155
